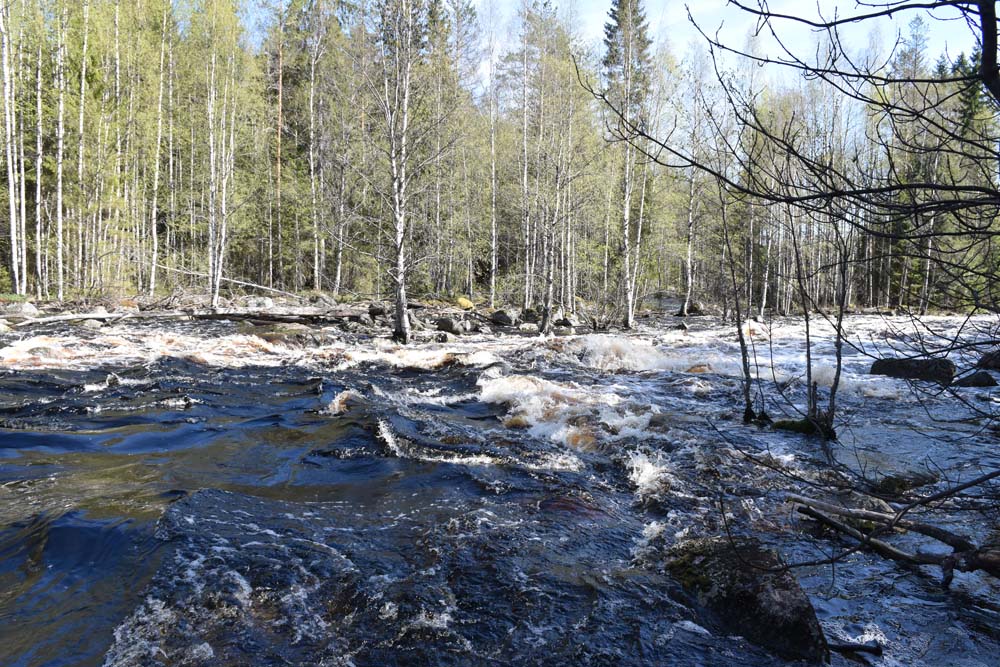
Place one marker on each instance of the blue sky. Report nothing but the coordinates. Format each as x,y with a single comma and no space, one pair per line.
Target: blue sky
668,19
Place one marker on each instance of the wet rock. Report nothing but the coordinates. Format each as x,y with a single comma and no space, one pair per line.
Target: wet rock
741,585
21,309
259,303
464,303
990,361
502,318
92,324
450,325
295,335
4,327
933,370
443,337
900,482
563,331
700,368
364,320
376,310
564,322
322,299
528,327
977,379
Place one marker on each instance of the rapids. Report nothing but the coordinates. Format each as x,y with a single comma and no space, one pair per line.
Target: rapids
189,494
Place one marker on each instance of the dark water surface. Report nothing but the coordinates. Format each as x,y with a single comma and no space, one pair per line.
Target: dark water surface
159,506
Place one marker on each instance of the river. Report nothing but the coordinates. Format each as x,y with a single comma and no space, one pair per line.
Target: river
185,493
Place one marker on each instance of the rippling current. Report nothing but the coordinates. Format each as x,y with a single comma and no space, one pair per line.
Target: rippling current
189,494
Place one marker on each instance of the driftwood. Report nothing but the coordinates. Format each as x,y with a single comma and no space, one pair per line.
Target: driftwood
966,556
327,317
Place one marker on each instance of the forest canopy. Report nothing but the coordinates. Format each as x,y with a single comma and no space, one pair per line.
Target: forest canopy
400,147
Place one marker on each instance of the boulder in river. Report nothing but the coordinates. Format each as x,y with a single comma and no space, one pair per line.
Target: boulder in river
450,325
259,303
20,309
934,370
899,483
743,586
4,327
502,318
977,379
990,361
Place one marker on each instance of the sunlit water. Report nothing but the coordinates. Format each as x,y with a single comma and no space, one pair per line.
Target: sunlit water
187,494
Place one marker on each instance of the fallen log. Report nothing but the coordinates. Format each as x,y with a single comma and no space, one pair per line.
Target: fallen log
985,559
955,541
74,317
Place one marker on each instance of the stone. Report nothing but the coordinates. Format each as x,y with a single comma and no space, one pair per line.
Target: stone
977,379
92,324
376,309
449,325
990,361
694,308
4,327
564,322
21,309
502,318
742,586
934,370
528,327
443,337
259,303
563,331
900,482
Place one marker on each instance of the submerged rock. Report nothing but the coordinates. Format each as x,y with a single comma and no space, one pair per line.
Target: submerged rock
933,370
742,585
977,379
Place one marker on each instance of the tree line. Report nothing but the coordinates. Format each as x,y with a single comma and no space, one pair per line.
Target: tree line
397,147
